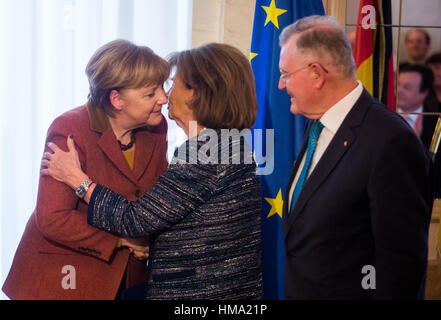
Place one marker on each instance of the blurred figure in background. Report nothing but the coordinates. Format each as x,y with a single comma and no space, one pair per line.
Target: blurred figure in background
414,85
417,44
433,101
434,97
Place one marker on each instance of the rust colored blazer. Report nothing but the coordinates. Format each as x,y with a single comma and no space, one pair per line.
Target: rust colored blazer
57,234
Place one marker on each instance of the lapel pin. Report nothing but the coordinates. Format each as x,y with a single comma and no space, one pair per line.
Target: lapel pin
345,143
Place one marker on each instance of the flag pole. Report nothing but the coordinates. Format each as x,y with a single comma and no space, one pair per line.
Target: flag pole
398,57
435,139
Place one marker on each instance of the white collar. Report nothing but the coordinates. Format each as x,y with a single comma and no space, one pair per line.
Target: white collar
412,116
333,118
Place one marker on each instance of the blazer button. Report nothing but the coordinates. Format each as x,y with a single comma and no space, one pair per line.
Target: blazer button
138,193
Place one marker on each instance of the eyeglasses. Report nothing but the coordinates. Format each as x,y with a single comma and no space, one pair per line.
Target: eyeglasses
286,75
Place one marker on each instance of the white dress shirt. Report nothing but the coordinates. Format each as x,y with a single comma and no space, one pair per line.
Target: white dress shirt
331,120
411,118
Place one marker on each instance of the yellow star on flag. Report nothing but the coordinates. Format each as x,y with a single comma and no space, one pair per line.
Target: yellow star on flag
276,205
254,157
273,13
253,55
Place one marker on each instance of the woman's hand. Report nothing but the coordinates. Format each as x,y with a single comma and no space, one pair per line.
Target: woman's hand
63,166
138,247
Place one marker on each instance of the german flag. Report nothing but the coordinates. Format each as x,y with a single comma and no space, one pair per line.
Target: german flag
373,50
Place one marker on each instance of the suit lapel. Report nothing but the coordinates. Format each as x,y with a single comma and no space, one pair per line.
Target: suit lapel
145,144
109,145
339,145
344,138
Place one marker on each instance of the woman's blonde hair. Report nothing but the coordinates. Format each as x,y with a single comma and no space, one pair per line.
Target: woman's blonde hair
121,64
223,84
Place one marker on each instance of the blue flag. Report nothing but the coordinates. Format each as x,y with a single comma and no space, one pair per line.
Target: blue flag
270,17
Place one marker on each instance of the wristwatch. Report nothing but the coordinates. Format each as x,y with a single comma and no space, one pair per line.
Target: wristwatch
81,190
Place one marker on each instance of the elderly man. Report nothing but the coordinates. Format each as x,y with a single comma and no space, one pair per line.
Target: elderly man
357,206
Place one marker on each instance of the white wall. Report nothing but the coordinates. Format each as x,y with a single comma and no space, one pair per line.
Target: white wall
226,21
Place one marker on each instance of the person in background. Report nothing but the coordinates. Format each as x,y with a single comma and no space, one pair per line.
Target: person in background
434,97
433,102
204,212
417,44
120,136
357,206
414,85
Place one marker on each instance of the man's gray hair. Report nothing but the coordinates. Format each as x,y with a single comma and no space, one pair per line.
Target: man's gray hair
323,37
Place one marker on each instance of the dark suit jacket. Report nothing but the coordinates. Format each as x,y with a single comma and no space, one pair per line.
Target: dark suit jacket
431,104
57,233
367,202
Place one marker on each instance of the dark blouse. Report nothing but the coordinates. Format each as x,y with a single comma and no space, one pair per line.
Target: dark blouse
204,218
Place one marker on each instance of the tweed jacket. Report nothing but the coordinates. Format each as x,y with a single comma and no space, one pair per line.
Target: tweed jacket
57,234
204,214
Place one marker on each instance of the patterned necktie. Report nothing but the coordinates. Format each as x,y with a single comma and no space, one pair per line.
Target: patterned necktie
314,135
418,125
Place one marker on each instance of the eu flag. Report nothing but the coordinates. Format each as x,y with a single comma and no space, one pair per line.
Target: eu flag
281,131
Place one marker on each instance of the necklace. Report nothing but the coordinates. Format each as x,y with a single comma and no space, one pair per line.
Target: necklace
125,147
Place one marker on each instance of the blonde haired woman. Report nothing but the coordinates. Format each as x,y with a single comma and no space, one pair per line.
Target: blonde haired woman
120,136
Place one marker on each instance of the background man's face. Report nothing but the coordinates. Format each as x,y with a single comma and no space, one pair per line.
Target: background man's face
416,45
409,96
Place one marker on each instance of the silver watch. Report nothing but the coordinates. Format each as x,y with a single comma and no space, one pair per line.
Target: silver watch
81,190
